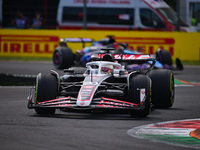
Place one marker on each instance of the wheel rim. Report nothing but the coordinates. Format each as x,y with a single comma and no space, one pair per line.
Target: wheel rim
56,58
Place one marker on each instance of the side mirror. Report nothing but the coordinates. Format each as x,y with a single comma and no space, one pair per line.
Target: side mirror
87,72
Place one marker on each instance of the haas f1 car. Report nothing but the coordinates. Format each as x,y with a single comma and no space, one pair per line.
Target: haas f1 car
105,85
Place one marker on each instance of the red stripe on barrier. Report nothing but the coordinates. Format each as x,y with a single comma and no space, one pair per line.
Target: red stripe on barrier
28,38
136,40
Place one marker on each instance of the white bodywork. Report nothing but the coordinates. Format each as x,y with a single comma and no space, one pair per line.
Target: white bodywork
94,76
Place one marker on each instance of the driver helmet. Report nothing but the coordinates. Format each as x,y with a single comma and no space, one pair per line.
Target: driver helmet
107,69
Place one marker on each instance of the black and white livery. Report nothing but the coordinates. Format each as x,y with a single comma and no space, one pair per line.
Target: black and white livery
105,85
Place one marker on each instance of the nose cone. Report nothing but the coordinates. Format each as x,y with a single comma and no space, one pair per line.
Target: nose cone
83,103
85,95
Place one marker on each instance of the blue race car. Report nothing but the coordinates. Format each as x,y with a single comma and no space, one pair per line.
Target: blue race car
63,57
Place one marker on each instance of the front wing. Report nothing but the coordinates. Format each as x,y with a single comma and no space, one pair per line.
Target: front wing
70,103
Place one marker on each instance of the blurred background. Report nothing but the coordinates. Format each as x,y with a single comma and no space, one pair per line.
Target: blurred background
188,10
97,19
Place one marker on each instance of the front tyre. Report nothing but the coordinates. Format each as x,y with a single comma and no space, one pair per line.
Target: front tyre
46,89
139,82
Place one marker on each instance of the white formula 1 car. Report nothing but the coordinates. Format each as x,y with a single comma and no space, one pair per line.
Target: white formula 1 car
105,85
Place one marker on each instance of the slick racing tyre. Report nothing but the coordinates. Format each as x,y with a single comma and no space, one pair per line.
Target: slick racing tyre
63,57
46,89
162,88
164,57
139,82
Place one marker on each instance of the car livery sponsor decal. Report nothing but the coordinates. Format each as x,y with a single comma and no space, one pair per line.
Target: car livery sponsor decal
131,56
142,95
184,133
86,92
127,56
88,89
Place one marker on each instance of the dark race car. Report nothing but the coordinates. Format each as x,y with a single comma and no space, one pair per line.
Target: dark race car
105,85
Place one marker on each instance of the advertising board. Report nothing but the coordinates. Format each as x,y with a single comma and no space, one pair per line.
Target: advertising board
41,43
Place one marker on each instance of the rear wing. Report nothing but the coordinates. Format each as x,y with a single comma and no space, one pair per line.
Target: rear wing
127,58
77,40
107,55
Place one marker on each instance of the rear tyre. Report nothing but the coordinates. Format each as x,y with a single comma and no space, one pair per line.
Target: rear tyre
46,89
140,82
63,57
164,57
162,88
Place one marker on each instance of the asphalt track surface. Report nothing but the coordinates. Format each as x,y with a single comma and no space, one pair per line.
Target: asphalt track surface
21,128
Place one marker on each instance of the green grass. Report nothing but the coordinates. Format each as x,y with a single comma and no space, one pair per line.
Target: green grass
50,59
